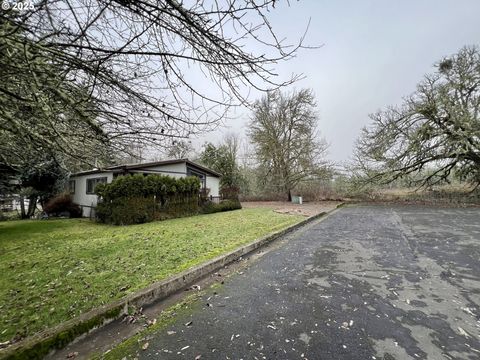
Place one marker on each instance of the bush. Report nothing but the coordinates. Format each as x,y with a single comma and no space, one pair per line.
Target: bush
124,211
138,199
224,205
177,206
9,215
138,185
204,195
62,205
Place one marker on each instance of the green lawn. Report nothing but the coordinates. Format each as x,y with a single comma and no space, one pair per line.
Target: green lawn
53,270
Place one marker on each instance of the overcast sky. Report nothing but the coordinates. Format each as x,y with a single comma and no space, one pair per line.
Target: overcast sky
374,53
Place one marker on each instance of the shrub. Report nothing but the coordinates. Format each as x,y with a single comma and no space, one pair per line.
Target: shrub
9,215
204,195
138,185
224,205
137,199
126,210
62,205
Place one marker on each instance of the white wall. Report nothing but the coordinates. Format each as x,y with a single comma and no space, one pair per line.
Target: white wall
213,183
81,197
174,170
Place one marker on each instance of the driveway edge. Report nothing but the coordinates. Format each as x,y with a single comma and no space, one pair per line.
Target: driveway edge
41,344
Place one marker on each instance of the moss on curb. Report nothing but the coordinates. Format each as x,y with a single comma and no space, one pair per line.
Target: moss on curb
165,318
40,349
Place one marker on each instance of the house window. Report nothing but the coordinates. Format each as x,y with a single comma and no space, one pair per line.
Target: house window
92,183
201,176
71,187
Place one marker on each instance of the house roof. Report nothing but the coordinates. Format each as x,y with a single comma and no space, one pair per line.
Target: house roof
138,166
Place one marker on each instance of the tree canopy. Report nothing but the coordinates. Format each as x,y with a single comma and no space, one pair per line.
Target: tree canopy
76,73
180,149
287,146
42,110
434,133
223,159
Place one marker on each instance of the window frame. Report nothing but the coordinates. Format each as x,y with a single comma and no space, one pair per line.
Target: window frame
71,190
199,174
96,181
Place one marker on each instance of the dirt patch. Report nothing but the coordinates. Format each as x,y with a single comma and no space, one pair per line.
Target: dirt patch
283,207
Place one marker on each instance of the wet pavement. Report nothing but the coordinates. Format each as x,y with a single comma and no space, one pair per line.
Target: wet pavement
367,282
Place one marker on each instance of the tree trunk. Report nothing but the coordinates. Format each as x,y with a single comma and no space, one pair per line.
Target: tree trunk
22,208
289,195
32,204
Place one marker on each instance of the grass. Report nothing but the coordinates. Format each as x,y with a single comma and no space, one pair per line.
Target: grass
53,270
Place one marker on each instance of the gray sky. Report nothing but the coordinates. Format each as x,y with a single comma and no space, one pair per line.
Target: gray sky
374,53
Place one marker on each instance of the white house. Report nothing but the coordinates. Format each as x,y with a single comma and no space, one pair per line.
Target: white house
82,184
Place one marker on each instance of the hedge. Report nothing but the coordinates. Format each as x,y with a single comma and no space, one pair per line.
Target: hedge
224,205
135,199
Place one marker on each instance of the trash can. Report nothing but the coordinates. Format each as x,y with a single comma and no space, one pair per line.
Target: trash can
297,200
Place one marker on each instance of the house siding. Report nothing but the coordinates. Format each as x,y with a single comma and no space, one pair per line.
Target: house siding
80,197
174,170
213,183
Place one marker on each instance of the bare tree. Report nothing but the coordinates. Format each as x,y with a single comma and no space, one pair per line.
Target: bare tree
283,131
76,73
436,131
180,149
232,142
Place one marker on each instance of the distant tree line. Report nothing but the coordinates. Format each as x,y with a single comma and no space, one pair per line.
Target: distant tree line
287,147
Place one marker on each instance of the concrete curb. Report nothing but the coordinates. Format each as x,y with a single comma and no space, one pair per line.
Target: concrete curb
40,344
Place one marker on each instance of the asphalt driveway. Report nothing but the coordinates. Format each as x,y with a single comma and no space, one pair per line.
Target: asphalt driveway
368,282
